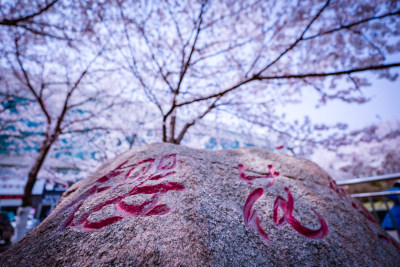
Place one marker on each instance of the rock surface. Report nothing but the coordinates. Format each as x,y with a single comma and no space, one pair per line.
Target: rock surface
174,206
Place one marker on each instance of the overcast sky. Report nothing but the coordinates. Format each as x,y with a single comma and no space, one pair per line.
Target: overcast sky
384,105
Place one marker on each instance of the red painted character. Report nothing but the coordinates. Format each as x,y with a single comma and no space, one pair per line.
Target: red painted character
135,177
253,221
288,218
251,218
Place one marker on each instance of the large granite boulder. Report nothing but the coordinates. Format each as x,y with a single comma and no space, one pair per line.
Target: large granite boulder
171,205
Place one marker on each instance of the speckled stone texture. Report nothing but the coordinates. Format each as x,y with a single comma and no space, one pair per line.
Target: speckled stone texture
170,205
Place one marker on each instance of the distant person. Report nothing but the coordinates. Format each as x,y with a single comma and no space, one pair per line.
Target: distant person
387,221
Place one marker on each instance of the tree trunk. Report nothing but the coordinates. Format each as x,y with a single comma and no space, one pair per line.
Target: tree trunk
32,176
172,129
23,211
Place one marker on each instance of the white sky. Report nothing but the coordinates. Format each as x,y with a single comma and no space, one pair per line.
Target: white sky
384,105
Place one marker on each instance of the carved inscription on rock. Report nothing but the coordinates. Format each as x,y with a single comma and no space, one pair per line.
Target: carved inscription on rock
135,189
253,221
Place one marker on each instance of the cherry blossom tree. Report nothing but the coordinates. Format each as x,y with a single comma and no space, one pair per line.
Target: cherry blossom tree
51,76
53,87
370,151
195,60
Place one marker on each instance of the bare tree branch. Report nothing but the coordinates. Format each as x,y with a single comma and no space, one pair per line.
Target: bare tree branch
188,61
14,22
219,94
43,33
183,72
289,76
188,125
220,52
334,73
29,84
58,129
350,25
153,57
293,45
